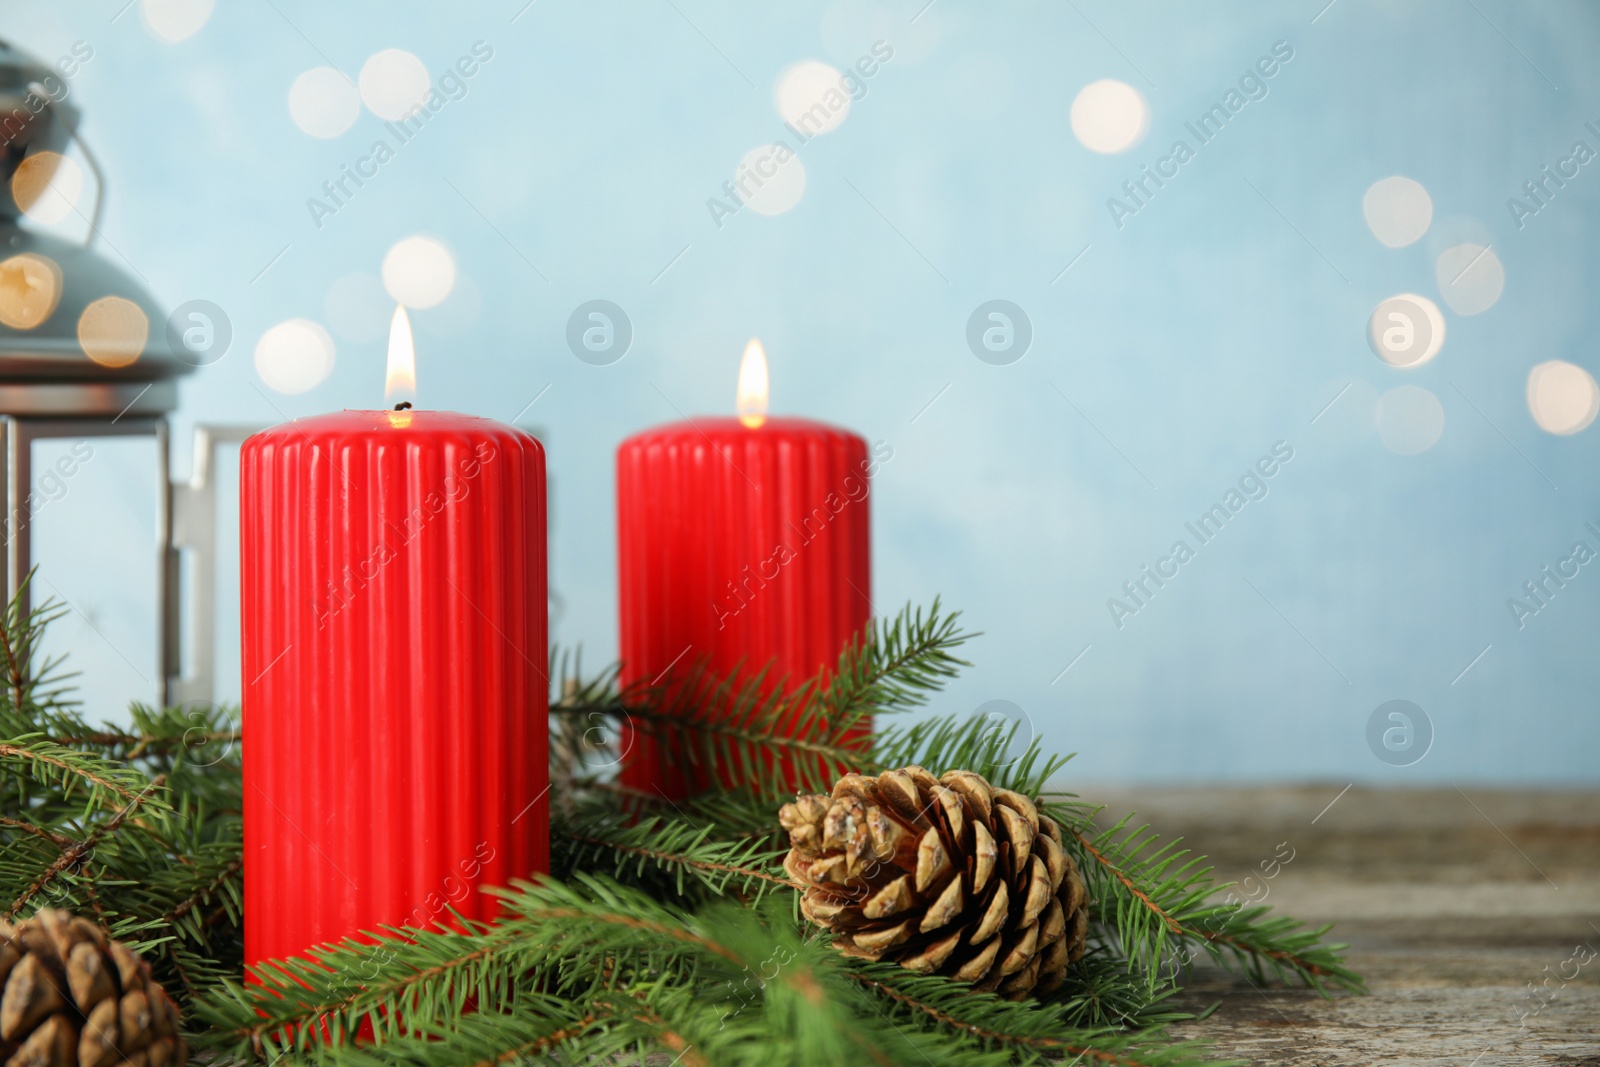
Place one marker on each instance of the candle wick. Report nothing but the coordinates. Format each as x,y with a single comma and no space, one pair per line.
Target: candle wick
403,405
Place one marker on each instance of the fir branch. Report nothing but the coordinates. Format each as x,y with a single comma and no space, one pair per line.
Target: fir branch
687,947
1132,886
77,851
1263,945
539,1027
49,761
327,995
1151,899
677,847
29,680
141,745
205,891
61,841
1102,994
413,980
972,743
663,1032
750,720
786,999
896,665
135,826
720,724
1024,1027
599,910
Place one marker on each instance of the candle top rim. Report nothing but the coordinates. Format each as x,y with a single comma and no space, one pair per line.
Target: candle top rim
772,425
388,421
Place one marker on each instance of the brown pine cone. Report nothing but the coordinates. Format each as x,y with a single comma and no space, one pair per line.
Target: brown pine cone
74,998
941,875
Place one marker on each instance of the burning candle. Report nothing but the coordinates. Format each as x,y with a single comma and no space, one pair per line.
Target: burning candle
742,544
395,756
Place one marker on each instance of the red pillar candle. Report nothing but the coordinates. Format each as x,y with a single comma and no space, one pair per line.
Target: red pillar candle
742,543
394,622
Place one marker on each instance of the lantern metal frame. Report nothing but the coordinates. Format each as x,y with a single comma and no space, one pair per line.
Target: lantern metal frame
192,678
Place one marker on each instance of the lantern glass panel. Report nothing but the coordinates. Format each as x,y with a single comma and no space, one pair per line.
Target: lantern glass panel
94,526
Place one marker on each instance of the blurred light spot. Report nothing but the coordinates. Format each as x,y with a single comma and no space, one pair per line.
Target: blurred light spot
1470,277
1398,211
112,331
294,356
770,179
394,83
1410,419
30,289
1562,396
175,20
1109,116
419,271
323,102
1406,330
811,98
46,186
358,308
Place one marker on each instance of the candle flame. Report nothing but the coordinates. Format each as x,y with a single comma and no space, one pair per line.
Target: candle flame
753,387
401,379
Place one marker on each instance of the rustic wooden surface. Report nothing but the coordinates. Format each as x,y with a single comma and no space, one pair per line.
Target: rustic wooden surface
1456,904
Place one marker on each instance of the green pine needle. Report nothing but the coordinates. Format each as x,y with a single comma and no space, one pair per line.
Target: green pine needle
667,930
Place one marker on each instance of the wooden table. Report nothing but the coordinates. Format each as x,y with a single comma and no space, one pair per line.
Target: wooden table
1456,904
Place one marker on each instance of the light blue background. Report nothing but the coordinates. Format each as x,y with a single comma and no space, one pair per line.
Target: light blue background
1218,321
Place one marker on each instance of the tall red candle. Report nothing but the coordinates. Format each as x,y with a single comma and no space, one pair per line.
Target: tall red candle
394,620
742,544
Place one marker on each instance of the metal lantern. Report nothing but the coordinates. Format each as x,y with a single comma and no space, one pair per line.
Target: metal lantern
84,352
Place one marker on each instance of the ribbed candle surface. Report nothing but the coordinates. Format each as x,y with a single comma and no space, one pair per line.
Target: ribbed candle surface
737,546
395,649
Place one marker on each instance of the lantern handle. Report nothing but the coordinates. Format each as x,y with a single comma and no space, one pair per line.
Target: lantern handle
62,116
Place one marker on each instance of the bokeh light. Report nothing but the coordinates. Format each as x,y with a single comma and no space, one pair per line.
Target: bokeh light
30,289
295,356
1470,277
324,102
774,180
1109,116
394,83
810,97
419,271
1562,397
176,20
358,308
47,186
1410,419
1406,330
1398,211
112,331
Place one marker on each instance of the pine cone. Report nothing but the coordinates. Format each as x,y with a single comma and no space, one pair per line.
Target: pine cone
74,998
941,875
